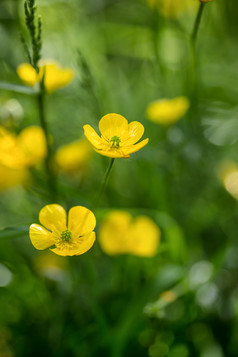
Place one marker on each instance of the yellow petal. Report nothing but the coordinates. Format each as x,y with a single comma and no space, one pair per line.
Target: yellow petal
83,245
28,74
40,237
53,217
55,77
144,237
92,136
113,233
133,148
135,132
113,125
74,156
114,153
81,221
33,144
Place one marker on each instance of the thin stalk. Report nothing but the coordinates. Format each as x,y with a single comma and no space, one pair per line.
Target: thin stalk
103,184
44,126
197,23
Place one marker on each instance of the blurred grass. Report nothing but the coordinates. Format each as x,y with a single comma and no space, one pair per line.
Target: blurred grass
95,305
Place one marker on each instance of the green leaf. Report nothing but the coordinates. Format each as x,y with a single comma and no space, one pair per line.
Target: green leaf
14,232
17,88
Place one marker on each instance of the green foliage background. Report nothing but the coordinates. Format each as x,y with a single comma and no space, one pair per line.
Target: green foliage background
125,56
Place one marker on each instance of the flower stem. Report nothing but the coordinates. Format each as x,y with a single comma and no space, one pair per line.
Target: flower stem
197,23
44,126
103,184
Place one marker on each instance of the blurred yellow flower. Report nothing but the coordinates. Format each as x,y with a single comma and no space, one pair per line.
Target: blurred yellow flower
117,136
55,77
167,111
74,236
26,149
172,8
120,234
10,177
228,174
73,157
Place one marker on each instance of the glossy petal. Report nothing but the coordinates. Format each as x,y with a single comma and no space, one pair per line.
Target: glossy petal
115,153
53,217
81,221
81,246
27,74
113,125
135,132
40,237
133,148
92,136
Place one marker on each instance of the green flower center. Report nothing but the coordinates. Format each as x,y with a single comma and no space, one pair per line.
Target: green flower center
66,235
115,140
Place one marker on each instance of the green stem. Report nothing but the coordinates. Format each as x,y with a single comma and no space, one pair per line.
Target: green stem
103,184
197,23
48,160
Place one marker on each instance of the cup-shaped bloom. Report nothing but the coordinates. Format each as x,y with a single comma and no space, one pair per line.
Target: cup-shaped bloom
55,77
121,234
73,157
227,172
118,137
74,236
167,111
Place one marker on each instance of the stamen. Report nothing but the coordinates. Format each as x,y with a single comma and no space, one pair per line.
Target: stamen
66,235
115,140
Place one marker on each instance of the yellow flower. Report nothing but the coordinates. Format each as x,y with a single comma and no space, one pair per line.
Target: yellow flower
10,177
120,234
25,150
55,77
73,238
74,156
167,111
117,136
171,8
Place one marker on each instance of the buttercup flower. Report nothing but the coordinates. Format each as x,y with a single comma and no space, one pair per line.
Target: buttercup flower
55,77
73,157
167,111
118,138
10,177
72,237
120,234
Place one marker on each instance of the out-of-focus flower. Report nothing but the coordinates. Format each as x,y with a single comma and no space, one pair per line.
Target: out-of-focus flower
10,177
228,174
167,111
120,234
55,77
172,8
26,149
74,236
118,138
73,157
